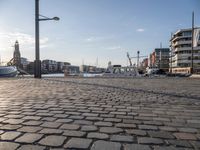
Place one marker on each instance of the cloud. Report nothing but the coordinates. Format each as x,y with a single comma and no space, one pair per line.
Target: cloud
140,30
24,39
98,38
114,48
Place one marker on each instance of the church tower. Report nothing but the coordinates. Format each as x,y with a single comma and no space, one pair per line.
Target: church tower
17,56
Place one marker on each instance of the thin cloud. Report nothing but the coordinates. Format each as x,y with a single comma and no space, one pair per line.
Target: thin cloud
24,39
114,48
140,30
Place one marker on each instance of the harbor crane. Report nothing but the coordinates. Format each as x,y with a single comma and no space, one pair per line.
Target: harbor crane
138,58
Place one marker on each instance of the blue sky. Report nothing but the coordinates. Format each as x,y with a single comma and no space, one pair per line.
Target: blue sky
91,29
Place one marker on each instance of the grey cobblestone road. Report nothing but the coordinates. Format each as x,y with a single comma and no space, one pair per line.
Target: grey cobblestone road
99,114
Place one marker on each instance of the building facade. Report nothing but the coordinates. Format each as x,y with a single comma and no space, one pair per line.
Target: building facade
160,59
181,52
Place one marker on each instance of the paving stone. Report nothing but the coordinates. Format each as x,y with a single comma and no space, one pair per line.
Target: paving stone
13,121
125,125
60,116
168,148
31,147
112,120
31,118
11,135
179,143
185,136
194,121
83,122
104,145
52,140
89,128
94,118
136,147
147,140
74,133
196,144
118,113
101,123
110,130
148,127
166,128
189,130
8,145
64,120
78,143
121,138
70,126
161,134
76,117
50,119
90,114
29,138
156,123
14,116
32,129
10,127
136,132
51,124
51,131
32,123
131,121
96,135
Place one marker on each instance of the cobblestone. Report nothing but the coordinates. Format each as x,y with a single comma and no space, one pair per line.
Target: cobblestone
29,138
12,135
103,145
52,140
78,143
8,145
136,147
121,138
96,135
99,113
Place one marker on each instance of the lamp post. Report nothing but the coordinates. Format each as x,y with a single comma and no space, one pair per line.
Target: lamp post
37,62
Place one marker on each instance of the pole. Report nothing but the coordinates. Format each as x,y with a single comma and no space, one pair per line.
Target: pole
192,65
37,63
138,57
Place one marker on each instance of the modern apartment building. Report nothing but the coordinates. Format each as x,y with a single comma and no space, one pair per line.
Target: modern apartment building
159,58
181,47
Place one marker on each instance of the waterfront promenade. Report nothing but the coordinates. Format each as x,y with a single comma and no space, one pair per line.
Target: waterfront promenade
100,114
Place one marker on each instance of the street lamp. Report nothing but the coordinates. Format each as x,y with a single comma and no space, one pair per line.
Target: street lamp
37,62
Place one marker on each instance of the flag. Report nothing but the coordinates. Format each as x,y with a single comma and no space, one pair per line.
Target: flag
196,37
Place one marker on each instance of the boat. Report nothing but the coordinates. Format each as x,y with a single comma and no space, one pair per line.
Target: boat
121,71
8,71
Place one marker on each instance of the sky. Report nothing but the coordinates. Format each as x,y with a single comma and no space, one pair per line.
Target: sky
93,32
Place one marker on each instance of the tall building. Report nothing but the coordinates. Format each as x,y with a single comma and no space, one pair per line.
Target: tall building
160,59
17,55
181,47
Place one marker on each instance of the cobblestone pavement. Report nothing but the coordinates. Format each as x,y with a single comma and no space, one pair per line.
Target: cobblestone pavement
99,114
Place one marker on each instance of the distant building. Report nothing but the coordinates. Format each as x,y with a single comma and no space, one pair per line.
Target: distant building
17,56
181,46
144,63
70,69
49,65
160,59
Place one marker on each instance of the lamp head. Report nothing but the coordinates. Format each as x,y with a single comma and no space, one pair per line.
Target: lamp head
56,18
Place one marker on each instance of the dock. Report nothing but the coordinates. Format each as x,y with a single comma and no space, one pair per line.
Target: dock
100,113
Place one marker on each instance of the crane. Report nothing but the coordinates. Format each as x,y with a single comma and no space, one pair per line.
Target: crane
129,59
